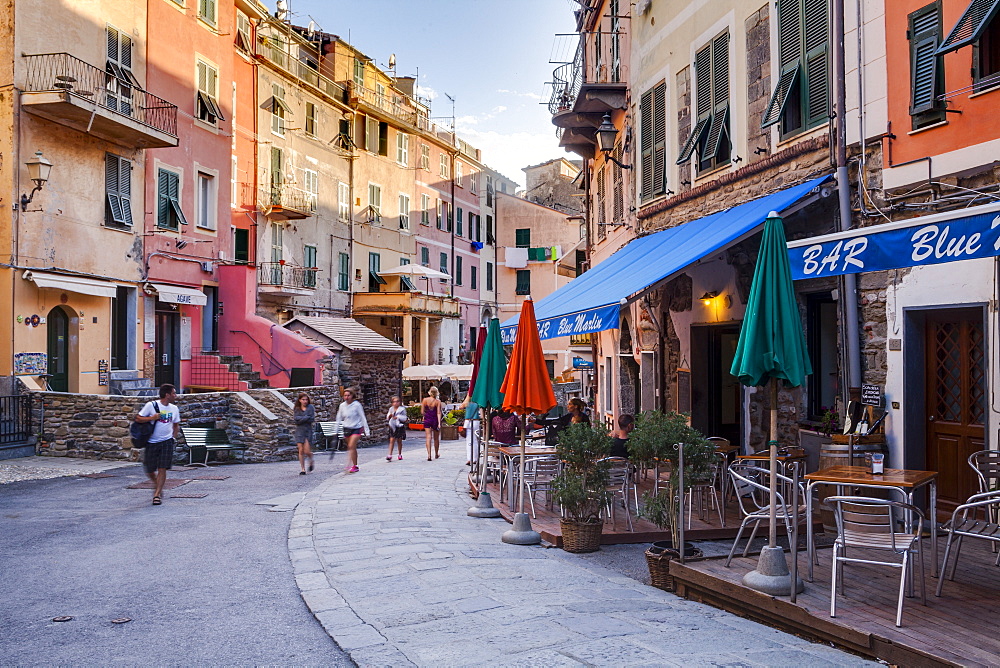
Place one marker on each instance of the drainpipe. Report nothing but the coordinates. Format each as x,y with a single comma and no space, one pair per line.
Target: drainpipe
850,293
594,377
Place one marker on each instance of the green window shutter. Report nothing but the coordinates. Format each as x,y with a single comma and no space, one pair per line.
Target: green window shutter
788,80
112,175
241,245
343,271
971,26
523,286
693,140
458,270
646,143
789,59
371,135
276,160
816,33
489,275
659,139
444,262
925,80
425,256
458,221
703,104
719,129
163,208
522,238
125,189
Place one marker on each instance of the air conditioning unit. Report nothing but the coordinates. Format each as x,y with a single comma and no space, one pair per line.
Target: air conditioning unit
207,267
222,255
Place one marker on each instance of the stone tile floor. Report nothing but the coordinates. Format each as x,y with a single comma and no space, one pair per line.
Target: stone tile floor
42,468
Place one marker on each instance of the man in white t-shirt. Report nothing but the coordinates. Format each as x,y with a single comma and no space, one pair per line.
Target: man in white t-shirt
159,453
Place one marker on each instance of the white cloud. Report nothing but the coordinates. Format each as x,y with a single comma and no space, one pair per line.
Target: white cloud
427,92
499,110
533,96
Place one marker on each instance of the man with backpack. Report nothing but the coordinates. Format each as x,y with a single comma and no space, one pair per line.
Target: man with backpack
159,455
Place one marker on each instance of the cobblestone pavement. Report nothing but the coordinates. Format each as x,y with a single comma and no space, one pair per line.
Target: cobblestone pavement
398,575
43,468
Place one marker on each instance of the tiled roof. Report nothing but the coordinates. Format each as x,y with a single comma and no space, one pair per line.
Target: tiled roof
347,332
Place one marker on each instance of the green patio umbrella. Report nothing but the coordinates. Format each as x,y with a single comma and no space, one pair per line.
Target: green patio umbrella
486,392
772,348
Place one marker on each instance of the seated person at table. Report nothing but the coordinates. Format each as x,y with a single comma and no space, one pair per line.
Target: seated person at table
505,427
574,414
619,437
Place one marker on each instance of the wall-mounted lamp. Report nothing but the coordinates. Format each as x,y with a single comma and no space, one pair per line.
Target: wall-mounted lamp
38,172
707,298
606,135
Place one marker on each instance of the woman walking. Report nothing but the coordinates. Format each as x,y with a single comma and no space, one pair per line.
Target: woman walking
304,415
351,415
431,409
396,418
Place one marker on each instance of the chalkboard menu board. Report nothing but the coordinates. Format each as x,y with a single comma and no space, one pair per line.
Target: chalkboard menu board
871,395
683,390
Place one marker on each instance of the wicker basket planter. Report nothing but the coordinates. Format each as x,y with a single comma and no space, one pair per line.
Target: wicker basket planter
658,558
581,536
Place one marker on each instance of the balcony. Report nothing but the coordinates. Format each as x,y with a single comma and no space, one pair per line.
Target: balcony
284,203
580,340
285,280
581,95
66,90
275,51
381,303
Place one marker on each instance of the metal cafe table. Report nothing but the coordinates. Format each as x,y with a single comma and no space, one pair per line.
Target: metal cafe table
510,453
900,480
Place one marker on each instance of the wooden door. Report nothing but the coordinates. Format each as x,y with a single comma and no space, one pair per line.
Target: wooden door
716,395
57,324
956,400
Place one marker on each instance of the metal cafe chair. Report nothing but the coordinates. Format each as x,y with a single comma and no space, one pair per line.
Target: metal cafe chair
752,485
619,483
539,473
986,464
870,524
976,518
707,492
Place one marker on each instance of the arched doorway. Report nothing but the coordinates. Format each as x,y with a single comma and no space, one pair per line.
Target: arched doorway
58,348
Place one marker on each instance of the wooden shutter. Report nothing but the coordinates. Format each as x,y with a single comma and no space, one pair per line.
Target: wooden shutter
703,104
602,209
522,238
719,128
371,135
458,270
816,40
789,59
112,176
113,44
659,139
276,166
241,245
971,25
646,144
618,203
924,33
162,199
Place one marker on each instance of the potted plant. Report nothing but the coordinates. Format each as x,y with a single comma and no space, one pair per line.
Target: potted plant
449,430
416,421
657,441
581,488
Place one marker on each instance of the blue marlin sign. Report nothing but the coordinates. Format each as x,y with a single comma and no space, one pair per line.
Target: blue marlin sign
594,320
933,239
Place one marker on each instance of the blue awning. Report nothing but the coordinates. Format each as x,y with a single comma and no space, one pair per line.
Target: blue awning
591,302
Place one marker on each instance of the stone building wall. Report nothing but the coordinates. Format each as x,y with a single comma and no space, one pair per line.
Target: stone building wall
376,377
546,185
683,87
759,83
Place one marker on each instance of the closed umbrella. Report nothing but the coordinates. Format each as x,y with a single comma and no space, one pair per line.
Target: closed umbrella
480,344
772,348
490,373
527,389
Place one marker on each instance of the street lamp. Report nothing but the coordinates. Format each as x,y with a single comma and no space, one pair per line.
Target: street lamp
606,135
38,172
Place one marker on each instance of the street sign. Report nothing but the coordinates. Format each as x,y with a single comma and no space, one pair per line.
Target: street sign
871,395
580,363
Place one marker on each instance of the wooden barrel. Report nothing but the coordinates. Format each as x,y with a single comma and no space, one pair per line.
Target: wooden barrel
838,454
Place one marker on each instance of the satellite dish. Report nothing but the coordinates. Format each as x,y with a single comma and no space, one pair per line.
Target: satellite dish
392,61
282,12
311,29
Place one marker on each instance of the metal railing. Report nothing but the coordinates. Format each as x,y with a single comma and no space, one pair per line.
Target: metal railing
286,275
208,370
62,72
288,198
275,52
15,419
569,78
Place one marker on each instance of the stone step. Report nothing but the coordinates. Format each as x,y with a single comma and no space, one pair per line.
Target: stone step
240,367
257,384
230,359
124,374
249,375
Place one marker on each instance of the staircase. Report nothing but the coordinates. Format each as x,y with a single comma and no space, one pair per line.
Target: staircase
225,368
126,382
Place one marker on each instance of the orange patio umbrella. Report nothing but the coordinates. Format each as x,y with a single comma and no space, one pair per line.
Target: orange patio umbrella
527,387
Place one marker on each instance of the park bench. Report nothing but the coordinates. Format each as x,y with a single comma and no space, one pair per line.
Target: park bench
206,440
331,431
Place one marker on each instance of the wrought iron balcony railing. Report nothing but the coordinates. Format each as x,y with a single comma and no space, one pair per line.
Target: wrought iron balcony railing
585,69
286,275
288,198
62,72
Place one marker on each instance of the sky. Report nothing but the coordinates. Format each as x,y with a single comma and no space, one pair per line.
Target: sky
491,56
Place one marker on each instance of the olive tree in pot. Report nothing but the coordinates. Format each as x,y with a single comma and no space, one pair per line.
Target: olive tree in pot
657,441
581,488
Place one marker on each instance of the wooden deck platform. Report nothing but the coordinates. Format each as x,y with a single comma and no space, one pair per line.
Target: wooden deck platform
960,628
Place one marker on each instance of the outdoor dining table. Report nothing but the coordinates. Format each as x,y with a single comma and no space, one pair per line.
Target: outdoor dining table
904,481
508,454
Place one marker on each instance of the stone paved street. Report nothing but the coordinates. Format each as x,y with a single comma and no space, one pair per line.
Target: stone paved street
390,564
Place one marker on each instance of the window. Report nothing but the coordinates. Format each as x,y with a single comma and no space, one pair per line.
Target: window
523,286
310,119
800,99
118,191
244,41
277,242
710,136
309,263
439,214
425,256
380,92
207,107
653,143
616,58
444,263
278,109
458,270
343,271
371,134
359,72
490,238
241,245
489,191
987,66
207,11
474,182
425,210
374,203
926,67
445,166
404,212
821,339
206,201
383,139
979,25
118,88
458,175
277,172
405,284
168,200
489,276
458,221
522,238
425,157
473,278
343,201
310,184
374,266
403,148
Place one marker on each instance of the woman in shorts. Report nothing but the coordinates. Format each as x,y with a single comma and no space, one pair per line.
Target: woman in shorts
351,415
396,417
431,410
